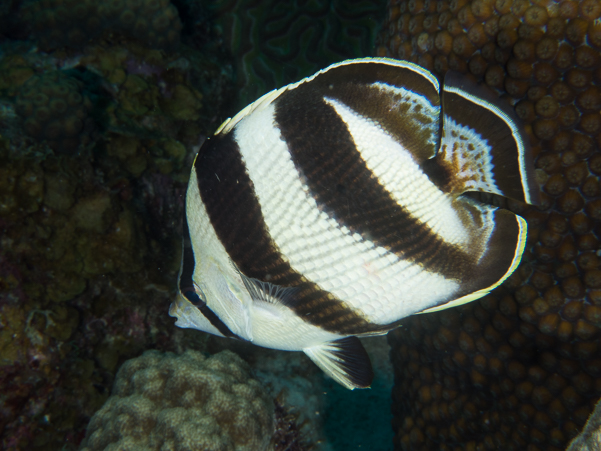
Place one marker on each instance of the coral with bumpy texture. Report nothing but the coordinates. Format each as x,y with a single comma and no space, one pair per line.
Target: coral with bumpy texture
73,23
56,110
520,368
164,401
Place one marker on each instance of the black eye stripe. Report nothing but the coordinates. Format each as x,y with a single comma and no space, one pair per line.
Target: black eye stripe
188,263
186,284
216,321
191,296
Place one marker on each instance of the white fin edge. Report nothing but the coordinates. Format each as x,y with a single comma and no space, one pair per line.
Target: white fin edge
257,105
268,98
517,137
517,257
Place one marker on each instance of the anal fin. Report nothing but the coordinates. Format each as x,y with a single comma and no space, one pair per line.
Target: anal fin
345,360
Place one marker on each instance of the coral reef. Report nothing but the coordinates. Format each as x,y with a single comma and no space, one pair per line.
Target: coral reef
14,71
520,368
74,23
55,109
294,382
163,401
91,237
590,437
76,295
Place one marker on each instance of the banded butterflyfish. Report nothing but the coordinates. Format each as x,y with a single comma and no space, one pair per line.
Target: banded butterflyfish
334,207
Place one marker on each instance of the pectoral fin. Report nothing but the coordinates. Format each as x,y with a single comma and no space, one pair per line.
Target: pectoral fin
345,360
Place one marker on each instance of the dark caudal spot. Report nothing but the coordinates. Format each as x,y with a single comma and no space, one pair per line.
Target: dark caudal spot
349,192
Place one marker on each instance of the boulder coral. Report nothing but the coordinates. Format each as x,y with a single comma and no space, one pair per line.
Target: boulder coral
164,401
519,369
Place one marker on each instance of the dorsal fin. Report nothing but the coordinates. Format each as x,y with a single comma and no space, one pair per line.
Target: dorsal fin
483,147
399,96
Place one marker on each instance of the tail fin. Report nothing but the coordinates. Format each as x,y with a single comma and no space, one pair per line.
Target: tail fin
483,148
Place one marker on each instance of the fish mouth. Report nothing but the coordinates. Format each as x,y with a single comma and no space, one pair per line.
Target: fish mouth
177,307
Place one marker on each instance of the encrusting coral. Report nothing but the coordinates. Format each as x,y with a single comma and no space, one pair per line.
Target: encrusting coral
91,234
165,401
73,23
55,109
519,369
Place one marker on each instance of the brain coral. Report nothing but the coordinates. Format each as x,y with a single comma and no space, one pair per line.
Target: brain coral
58,23
164,401
278,42
56,110
520,369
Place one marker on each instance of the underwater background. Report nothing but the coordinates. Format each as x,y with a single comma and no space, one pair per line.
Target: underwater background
103,106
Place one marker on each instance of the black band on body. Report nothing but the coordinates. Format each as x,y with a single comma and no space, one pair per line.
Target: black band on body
346,189
186,284
229,197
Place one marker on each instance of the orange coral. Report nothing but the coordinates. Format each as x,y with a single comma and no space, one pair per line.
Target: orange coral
521,367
